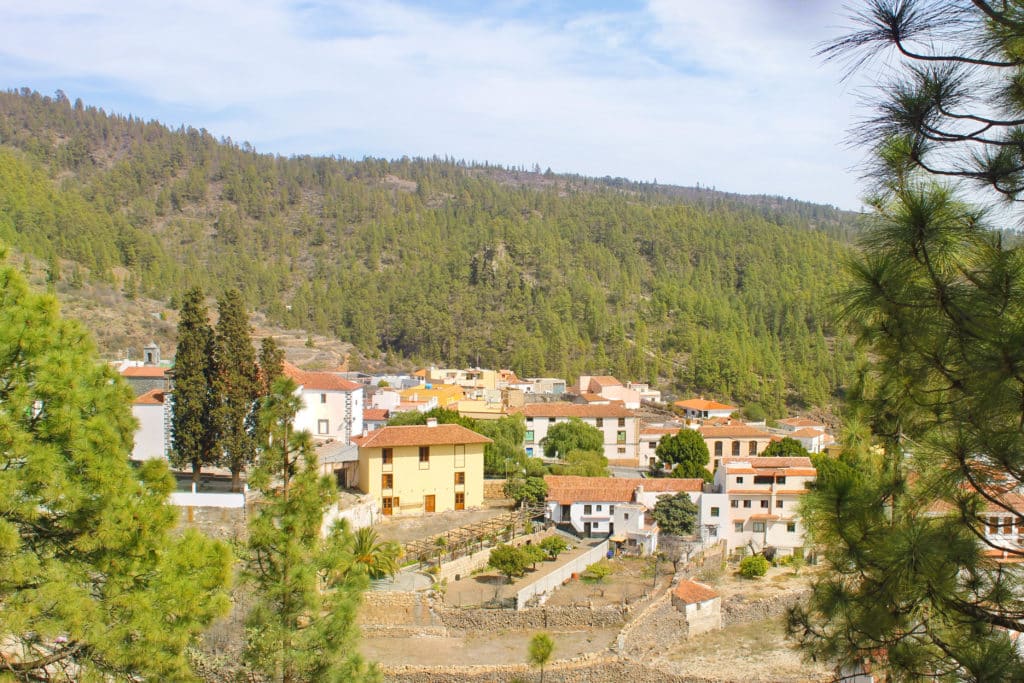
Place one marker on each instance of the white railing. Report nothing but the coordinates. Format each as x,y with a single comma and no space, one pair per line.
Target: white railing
208,500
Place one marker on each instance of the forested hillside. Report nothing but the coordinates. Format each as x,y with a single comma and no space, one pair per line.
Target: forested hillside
439,260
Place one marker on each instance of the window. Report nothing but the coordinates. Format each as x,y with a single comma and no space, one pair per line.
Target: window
323,398
716,463
737,527
587,509
739,480
746,503
529,451
529,436
460,478
551,420
780,480
735,447
599,422
764,479
387,455
622,422
758,527
734,503
529,420
778,503
713,532
387,481
718,449
620,437
611,509
764,502
791,527
323,427
714,512
599,508
753,448
621,450
625,516
424,453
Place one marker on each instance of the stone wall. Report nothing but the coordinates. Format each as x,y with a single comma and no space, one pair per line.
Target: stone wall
558,618
736,610
586,669
219,523
494,489
396,608
655,629
707,618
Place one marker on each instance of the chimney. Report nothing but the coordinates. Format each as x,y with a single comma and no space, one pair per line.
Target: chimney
431,421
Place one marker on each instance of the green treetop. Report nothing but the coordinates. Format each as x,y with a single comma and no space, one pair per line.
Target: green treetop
192,420
787,447
686,452
308,586
573,434
93,583
676,515
235,387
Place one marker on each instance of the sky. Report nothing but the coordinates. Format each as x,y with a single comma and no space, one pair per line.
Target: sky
722,94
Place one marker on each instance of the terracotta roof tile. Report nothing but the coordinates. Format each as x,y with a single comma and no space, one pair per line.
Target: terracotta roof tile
732,431
605,381
153,371
153,397
773,463
808,432
691,592
566,490
419,435
375,414
565,409
801,422
325,381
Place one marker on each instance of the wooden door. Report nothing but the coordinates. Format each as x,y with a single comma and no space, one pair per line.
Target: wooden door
460,501
428,503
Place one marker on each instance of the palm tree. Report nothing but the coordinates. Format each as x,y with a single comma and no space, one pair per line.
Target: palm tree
379,558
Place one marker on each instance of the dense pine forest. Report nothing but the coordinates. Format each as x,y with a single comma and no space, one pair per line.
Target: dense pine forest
439,260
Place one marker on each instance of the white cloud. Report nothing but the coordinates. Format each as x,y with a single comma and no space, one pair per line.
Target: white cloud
721,93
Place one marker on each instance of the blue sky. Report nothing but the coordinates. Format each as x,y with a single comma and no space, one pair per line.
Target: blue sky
725,94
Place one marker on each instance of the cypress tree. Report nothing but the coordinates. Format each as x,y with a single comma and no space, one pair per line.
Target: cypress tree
192,427
271,363
302,627
235,387
93,584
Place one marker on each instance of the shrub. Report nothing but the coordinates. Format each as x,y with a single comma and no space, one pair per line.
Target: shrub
554,546
754,566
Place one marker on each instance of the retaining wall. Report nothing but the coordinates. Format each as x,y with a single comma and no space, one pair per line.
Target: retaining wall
585,669
736,610
494,489
362,514
559,618
215,522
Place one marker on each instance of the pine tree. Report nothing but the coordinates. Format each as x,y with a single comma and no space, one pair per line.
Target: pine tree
93,583
192,427
235,387
308,585
934,455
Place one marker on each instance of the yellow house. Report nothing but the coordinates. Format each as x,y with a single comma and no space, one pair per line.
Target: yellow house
447,395
419,469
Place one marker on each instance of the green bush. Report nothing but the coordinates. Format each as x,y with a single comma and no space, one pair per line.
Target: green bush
754,566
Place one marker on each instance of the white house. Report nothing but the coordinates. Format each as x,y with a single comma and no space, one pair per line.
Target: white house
703,409
590,504
619,425
763,495
332,407
153,437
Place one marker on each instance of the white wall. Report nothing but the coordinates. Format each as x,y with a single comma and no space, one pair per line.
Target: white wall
151,436
343,411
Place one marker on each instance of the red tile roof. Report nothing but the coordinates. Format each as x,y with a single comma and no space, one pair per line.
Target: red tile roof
703,404
375,414
808,433
605,381
153,397
691,592
732,432
419,435
564,409
566,490
324,381
152,371
762,462
801,422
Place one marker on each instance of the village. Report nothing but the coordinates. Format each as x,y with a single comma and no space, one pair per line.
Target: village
618,596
